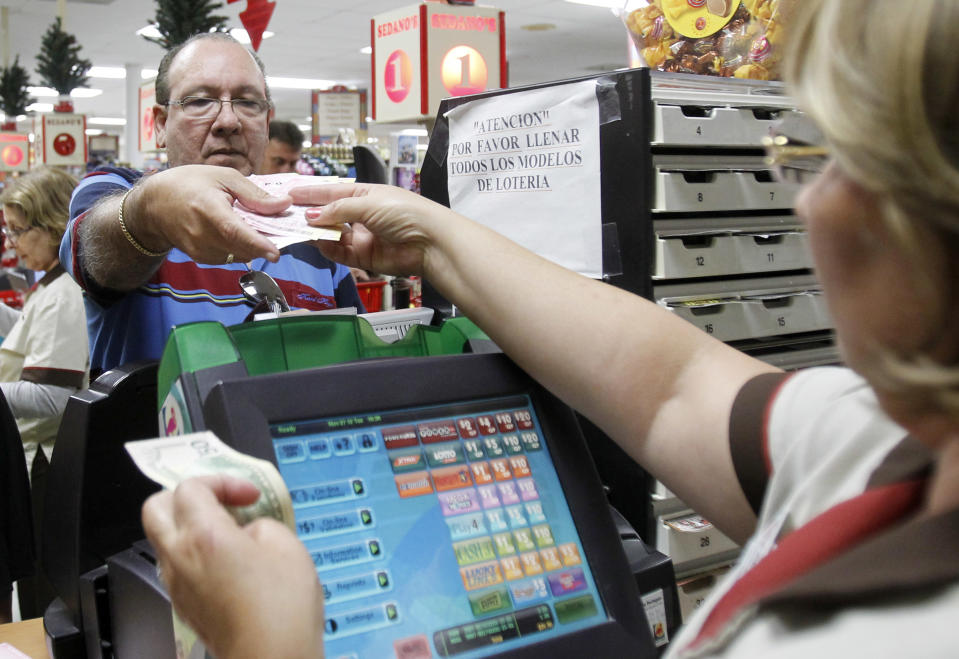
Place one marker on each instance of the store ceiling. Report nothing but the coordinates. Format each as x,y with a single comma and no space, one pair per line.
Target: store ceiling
314,39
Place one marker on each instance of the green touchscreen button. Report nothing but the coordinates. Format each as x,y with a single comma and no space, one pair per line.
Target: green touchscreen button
575,609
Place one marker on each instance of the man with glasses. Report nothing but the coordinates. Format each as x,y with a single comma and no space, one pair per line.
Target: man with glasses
166,249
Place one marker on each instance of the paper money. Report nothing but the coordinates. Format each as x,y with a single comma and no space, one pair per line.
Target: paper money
290,226
171,460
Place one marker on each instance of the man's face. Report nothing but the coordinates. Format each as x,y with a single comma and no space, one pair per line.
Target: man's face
279,158
214,69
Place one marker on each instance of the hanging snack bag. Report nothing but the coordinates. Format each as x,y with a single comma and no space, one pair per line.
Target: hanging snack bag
730,38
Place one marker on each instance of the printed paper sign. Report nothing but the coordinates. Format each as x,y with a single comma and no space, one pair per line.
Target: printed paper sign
14,152
528,166
146,131
64,139
336,110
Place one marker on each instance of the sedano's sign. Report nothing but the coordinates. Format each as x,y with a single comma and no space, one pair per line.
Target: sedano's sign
428,52
463,23
64,139
404,24
14,152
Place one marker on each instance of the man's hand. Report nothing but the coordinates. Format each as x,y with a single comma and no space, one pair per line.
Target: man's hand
247,592
191,208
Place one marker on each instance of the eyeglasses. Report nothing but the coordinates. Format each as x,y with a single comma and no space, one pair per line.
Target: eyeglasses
793,161
205,107
13,235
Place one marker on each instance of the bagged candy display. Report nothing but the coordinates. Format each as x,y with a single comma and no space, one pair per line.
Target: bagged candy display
730,38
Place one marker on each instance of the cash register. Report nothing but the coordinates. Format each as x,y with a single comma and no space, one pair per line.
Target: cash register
448,501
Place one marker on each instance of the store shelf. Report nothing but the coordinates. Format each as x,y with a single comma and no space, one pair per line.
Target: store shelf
728,255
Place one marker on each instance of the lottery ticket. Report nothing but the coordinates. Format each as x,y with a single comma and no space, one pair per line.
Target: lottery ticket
290,226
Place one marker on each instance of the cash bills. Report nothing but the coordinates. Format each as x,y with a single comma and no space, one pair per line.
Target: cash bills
290,226
171,460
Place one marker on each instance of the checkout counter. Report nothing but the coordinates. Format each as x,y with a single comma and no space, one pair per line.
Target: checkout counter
449,502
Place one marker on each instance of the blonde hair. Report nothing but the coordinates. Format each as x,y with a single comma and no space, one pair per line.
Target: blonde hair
881,80
43,196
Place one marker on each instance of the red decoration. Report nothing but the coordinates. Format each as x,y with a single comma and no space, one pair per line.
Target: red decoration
255,18
12,155
148,126
64,104
64,144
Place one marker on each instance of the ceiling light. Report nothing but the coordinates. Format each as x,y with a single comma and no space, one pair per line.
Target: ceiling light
610,4
113,72
150,31
117,72
304,127
107,121
298,83
93,131
40,107
78,92
241,35
366,50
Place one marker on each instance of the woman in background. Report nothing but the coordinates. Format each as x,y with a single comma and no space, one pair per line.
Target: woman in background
44,357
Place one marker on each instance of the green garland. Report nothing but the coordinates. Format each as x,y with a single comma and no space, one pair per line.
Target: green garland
14,96
59,63
178,20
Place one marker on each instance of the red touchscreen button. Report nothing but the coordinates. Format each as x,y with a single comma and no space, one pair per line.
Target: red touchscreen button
486,423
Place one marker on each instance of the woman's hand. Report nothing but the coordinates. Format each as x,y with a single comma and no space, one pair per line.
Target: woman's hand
247,591
390,230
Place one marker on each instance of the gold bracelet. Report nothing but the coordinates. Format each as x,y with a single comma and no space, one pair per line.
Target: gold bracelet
133,241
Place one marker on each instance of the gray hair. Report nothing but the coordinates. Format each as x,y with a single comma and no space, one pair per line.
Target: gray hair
163,73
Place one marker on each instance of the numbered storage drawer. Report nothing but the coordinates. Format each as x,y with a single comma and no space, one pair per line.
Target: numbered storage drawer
694,589
733,310
691,125
691,539
711,255
695,190
775,315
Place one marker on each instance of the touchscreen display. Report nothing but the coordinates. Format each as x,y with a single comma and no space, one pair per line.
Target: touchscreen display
437,531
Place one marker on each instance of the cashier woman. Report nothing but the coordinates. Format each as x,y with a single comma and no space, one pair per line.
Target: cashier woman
842,483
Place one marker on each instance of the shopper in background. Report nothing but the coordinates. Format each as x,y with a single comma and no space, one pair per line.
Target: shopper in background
156,251
844,481
44,357
283,150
